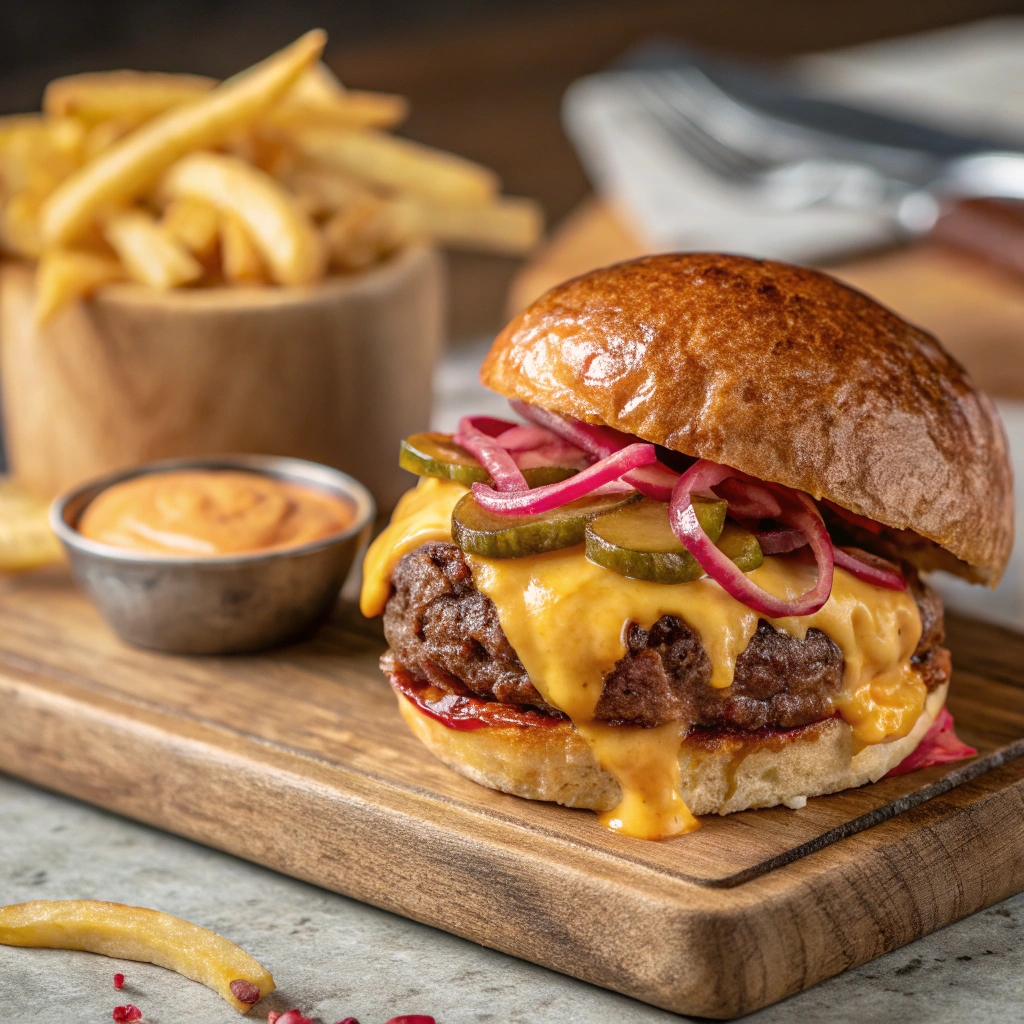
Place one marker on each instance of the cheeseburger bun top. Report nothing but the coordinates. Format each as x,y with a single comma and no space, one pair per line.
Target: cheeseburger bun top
786,374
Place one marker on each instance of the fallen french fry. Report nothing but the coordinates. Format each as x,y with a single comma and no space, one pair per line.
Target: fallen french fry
284,235
65,276
128,96
26,540
399,164
195,224
149,254
508,224
122,172
136,933
240,259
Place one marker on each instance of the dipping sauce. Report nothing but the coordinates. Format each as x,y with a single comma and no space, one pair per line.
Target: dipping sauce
212,512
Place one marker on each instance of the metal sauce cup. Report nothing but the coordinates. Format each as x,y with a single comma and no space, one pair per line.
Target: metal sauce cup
222,604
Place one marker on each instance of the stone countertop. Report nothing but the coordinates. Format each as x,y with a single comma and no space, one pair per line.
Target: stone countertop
333,957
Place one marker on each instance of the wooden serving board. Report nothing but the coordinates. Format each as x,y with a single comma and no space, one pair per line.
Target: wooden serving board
298,760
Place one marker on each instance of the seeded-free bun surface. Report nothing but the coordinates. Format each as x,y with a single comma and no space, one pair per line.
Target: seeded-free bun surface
781,372
718,775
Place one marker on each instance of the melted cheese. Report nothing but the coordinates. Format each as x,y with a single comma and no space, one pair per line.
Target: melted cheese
421,515
565,618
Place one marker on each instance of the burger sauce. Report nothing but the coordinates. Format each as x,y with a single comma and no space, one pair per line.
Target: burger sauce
196,513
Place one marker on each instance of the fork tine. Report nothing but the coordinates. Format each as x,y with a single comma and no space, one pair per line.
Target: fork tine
679,124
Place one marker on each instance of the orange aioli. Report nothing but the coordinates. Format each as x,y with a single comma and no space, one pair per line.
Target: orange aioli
207,512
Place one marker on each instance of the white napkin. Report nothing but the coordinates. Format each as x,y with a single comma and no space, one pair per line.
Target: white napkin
675,204
967,77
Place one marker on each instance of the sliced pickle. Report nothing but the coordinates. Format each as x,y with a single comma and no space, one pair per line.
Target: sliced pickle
430,454
638,542
741,546
489,535
438,455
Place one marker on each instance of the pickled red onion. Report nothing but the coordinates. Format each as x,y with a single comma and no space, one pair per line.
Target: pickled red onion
851,517
558,453
796,510
862,564
778,542
598,441
543,499
489,425
524,439
939,746
748,499
656,480
472,435
870,568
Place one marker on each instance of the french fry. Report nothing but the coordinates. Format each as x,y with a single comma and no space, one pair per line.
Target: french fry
149,254
321,190
509,224
19,226
395,163
10,123
317,85
64,276
285,237
121,173
26,540
364,233
195,224
137,933
36,158
102,136
317,97
240,258
128,96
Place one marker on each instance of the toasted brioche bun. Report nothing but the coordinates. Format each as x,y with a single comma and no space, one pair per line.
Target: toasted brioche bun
781,372
718,775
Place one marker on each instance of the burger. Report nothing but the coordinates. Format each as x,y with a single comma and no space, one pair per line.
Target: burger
685,578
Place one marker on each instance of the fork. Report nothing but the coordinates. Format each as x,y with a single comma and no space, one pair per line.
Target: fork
789,167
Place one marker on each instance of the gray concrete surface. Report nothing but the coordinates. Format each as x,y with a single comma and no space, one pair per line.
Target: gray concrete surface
333,957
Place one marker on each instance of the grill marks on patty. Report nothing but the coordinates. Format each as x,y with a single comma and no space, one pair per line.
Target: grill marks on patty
442,629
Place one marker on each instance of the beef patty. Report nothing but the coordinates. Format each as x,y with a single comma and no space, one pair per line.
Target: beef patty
442,629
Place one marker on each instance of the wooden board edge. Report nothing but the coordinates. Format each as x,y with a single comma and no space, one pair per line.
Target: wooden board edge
715,954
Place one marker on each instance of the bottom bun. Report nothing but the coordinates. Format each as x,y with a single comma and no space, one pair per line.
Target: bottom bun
720,772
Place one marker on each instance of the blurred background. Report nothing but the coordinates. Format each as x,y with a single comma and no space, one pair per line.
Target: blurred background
485,78
601,111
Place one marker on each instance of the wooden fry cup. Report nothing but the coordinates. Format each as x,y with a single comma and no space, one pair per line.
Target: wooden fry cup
337,372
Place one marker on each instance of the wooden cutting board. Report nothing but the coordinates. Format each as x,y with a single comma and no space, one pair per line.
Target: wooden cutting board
298,760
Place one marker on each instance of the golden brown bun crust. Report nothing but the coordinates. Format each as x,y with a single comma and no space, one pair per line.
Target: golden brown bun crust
781,372
718,777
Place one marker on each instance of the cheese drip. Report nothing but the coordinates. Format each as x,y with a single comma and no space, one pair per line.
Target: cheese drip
564,616
421,515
